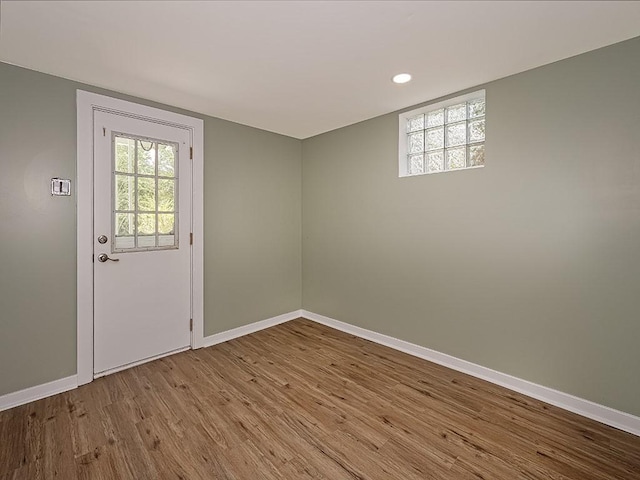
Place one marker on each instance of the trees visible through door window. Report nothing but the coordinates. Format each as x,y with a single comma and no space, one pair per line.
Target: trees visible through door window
145,194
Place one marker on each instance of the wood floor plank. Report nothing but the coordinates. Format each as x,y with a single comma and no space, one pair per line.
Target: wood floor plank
304,401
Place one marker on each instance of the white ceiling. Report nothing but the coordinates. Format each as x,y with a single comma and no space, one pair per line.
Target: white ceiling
306,67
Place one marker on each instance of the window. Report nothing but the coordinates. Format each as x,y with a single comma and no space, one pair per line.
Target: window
443,137
145,194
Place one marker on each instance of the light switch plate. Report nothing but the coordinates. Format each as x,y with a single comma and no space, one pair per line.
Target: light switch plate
60,187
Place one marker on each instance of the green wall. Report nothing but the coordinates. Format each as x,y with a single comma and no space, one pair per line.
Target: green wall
252,226
253,251
529,266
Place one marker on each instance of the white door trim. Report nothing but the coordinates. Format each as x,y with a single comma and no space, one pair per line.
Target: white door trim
87,104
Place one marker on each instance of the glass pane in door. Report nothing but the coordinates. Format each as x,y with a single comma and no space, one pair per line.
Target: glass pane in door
145,194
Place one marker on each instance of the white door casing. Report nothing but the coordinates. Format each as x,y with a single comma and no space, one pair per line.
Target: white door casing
104,293
142,298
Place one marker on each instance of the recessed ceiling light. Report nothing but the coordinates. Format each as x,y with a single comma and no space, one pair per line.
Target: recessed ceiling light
401,78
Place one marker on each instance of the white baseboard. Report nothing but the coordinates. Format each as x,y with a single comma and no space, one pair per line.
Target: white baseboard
609,416
251,328
38,392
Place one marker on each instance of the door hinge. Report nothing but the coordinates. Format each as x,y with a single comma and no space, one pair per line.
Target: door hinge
191,153
191,238
191,324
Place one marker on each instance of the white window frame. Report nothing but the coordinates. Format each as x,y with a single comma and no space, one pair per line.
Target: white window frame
403,170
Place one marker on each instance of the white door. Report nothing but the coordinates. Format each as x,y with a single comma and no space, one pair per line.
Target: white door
142,254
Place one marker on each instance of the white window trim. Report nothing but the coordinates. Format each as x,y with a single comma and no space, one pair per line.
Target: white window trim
87,104
402,129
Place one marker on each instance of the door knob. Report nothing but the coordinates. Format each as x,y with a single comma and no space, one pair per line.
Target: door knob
103,257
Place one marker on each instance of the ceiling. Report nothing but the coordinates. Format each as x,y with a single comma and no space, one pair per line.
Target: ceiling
301,68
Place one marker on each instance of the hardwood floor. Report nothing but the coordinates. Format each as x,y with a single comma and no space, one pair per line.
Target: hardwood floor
298,401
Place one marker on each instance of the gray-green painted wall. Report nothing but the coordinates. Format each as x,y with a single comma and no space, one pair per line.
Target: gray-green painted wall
252,226
530,266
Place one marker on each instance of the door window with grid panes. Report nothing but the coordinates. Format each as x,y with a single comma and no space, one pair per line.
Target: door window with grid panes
443,137
145,183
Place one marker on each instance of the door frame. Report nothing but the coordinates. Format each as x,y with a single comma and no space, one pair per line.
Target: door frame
87,104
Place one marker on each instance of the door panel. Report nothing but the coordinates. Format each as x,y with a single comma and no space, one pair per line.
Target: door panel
142,213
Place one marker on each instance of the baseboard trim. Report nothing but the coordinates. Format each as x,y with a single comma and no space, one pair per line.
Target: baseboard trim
250,328
586,408
608,416
31,394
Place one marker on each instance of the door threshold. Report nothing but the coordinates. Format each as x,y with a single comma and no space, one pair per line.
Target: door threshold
139,362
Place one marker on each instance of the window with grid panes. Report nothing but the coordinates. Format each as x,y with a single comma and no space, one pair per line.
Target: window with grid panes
145,194
443,137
